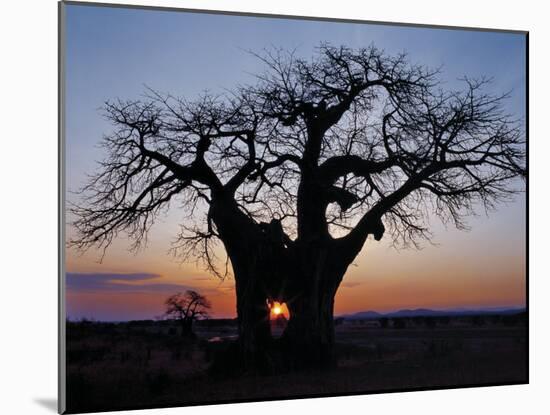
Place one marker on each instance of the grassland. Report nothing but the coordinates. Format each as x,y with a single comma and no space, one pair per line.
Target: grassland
148,364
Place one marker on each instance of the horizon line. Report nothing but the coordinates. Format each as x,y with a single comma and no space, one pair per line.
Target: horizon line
351,313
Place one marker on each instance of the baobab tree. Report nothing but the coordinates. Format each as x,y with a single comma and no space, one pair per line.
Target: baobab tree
186,308
293,173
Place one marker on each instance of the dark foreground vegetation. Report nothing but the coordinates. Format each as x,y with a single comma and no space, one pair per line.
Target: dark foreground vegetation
148,363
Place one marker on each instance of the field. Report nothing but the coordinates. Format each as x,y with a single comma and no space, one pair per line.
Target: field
148,364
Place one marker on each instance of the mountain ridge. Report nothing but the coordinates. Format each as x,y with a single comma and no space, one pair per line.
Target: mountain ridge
426,312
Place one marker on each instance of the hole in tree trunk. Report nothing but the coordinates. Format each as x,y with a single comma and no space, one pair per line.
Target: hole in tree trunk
278,317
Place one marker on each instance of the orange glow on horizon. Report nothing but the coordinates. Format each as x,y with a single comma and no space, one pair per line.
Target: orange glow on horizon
455,274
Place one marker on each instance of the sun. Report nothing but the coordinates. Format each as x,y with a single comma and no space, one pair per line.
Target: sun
277,310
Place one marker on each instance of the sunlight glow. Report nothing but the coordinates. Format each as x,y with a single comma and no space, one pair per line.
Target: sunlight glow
278,310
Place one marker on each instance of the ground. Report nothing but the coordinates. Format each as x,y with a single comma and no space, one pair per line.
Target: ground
148,364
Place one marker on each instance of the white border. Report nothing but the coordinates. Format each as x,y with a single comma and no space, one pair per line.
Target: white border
28,166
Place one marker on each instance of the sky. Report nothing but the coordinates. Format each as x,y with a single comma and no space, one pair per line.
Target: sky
116,52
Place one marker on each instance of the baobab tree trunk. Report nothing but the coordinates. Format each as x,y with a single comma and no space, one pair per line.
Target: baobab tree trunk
304,275
253,322
309,336
255,259
259,276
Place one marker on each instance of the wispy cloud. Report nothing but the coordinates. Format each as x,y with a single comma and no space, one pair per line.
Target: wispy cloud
350,284
120,282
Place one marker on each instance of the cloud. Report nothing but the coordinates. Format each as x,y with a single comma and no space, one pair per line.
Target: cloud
120,283
350,284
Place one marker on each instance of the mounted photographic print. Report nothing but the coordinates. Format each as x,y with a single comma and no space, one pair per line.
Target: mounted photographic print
261,207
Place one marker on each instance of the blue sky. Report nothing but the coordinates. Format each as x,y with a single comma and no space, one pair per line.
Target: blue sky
114,52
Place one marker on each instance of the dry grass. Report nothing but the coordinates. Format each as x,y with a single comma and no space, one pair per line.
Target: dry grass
126,367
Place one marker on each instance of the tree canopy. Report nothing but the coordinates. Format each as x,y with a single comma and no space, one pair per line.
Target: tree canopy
349,144
187,307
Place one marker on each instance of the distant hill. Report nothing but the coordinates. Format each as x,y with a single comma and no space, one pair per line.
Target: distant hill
363,315
424,312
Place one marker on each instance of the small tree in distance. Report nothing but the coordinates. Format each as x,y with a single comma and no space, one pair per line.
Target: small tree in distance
186,308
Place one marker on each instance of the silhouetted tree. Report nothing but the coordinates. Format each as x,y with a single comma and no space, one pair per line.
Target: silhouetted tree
185,308
293,174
